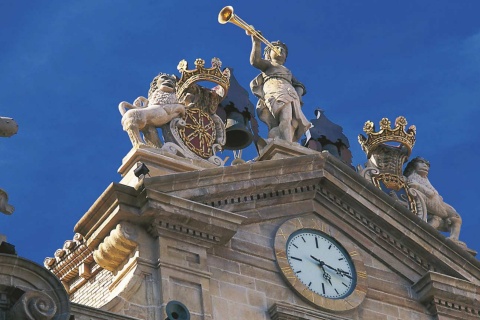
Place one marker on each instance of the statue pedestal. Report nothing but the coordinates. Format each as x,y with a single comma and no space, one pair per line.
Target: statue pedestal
280,149
159,162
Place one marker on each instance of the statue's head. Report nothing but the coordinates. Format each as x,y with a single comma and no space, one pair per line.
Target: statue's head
419,165
163,82
282,46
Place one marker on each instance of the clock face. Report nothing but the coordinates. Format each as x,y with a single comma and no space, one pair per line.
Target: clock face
321,263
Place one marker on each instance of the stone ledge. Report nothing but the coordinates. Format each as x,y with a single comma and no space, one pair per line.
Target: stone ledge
287,311
448,296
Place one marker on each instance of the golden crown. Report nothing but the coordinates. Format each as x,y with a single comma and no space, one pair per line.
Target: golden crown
387,134
200,73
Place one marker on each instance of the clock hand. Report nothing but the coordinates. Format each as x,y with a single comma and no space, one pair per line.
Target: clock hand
343,273
337,270
326,275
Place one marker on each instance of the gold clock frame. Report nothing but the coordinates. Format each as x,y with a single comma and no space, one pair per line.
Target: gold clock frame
309,223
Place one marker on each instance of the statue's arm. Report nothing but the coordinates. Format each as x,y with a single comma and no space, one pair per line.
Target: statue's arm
299,87
256,55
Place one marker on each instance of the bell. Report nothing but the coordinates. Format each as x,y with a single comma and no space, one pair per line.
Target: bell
177,311
237,134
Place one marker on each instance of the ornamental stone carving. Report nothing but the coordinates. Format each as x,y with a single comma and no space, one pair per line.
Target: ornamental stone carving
184,110
30,292
116,247
430,204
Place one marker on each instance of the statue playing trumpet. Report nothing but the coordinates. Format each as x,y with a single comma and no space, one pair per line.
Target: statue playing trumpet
279,93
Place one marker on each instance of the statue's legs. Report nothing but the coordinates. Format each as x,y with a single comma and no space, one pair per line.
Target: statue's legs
285,126
455,231
135,137
435,222
151,138
455,227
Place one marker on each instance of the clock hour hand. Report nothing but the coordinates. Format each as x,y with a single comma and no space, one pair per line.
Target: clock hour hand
326,275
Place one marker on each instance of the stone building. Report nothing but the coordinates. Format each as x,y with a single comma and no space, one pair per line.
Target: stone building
213,238
296,234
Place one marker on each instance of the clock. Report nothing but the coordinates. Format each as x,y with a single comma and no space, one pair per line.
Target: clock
324,270
321,263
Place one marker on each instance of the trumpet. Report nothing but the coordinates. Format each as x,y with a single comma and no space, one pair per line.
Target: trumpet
227,15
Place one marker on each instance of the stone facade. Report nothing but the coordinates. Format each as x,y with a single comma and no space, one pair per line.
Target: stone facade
206,238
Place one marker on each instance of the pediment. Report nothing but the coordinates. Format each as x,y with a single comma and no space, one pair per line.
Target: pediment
321,184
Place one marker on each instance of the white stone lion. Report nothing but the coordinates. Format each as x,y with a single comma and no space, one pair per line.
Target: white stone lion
440,215
146,115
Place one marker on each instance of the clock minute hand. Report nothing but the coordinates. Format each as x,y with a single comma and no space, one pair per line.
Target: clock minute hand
337,270
343,273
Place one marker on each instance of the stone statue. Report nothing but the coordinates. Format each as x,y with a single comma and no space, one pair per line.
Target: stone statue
440,215
4,206
146,115
8,127
279,93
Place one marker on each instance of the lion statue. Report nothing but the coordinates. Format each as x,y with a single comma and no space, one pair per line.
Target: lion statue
146,115
440,215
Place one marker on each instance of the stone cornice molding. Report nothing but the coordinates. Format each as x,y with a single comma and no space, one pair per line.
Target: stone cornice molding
388,219
190,220
287,311
448,297
81,311
249,189
117,200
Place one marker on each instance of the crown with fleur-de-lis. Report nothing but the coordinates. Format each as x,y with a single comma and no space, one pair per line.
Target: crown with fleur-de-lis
200,73
387,135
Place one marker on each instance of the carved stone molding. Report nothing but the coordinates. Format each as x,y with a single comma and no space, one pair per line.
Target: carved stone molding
116,247
68,261
33,305
287,311
448,297
30,291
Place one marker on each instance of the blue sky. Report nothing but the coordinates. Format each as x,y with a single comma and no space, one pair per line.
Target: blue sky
65,66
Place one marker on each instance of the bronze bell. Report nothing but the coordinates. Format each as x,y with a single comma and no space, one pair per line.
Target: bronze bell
237,134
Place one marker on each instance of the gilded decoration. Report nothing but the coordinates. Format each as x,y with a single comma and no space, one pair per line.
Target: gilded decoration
183,110
387,150
199,132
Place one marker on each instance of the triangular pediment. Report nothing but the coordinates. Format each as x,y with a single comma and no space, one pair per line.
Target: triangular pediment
279,189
